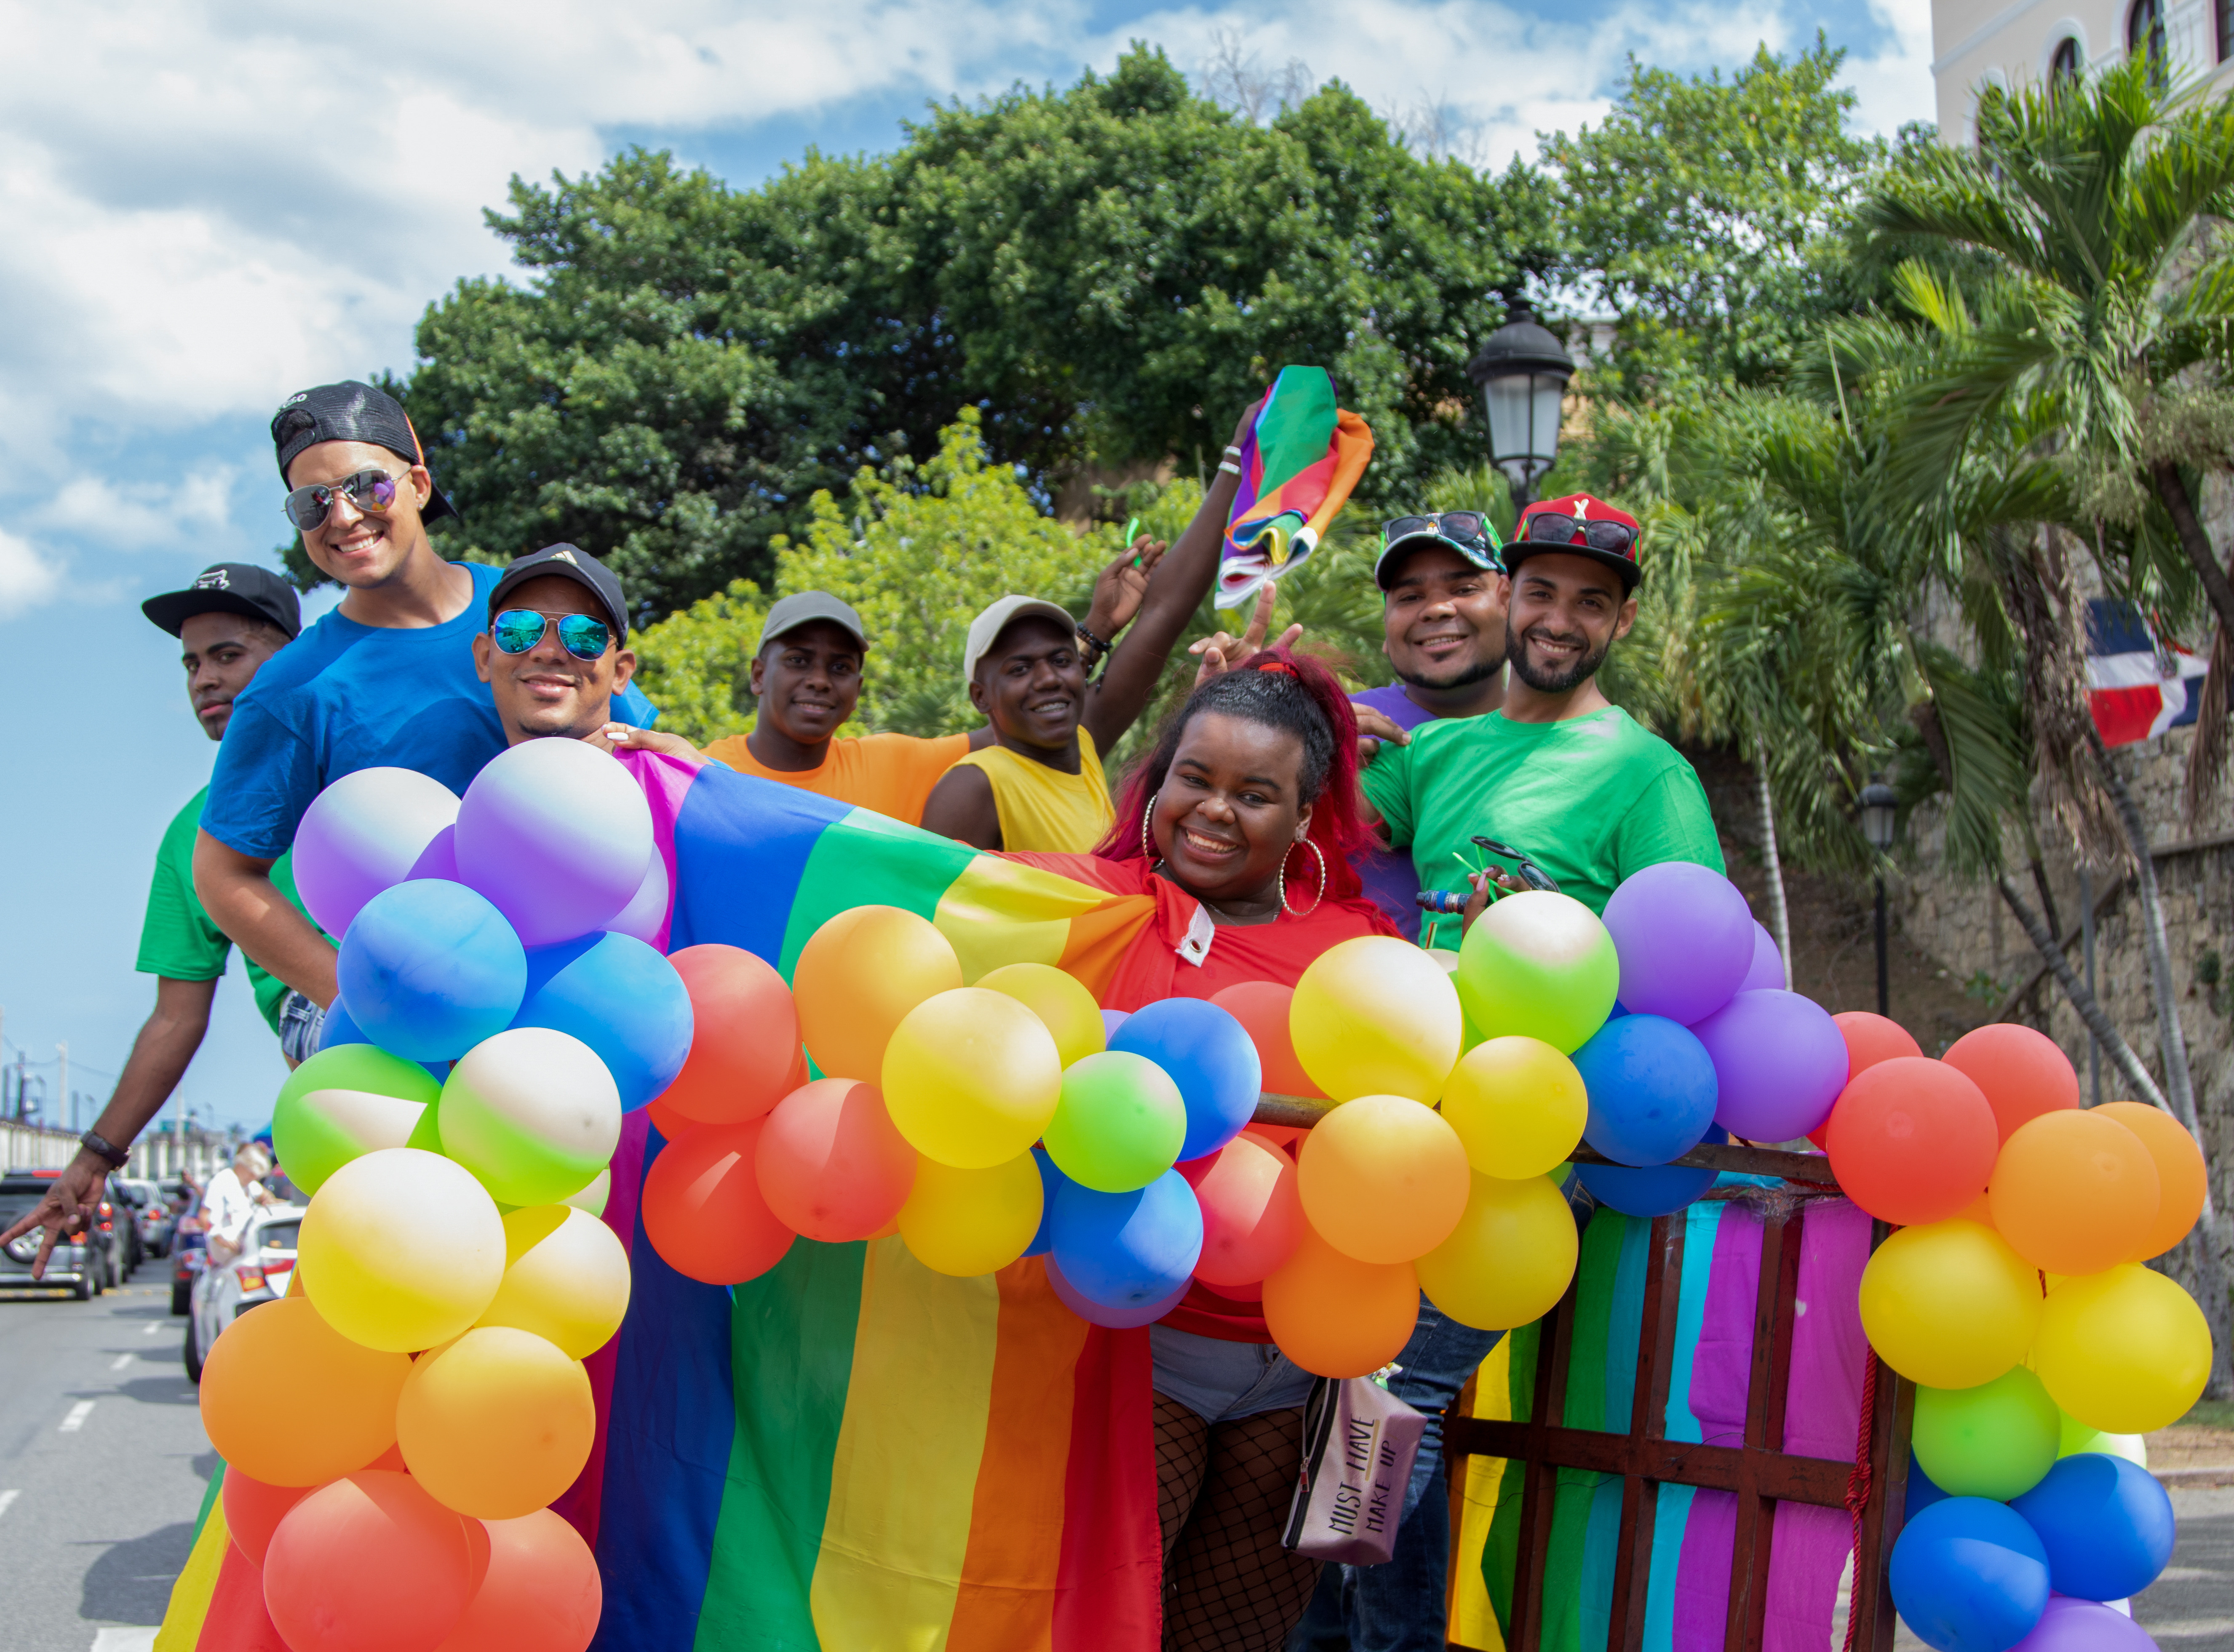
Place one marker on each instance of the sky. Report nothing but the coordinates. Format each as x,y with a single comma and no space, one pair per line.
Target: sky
209,207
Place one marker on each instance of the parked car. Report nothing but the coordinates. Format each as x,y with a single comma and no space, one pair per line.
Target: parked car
223,1291
189,1242
122,1211
86,1266
157,1219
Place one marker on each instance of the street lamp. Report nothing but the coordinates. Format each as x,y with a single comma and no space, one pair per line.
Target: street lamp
1523,374
1880,814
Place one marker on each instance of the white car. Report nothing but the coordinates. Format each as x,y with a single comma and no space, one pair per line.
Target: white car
223,1291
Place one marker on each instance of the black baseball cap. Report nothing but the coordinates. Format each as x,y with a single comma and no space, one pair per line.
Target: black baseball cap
566,562
350,411
230,588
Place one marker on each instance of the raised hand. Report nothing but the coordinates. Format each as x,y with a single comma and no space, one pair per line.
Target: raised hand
1118,588
1224,653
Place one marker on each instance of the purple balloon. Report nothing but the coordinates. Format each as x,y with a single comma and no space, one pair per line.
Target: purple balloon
439,859
645,915
362,834
1112,1019
557,834
1768,970
1684,937
1117,1319
1779,1062
2070,1625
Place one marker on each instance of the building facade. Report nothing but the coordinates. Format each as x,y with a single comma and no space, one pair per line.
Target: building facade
2016,43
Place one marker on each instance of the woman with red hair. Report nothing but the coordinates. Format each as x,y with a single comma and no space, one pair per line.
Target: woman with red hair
1241,822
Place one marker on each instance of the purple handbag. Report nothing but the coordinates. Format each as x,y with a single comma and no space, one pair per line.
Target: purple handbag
1359,1441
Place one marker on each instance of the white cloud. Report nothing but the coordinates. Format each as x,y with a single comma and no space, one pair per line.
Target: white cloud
26,578
1895,87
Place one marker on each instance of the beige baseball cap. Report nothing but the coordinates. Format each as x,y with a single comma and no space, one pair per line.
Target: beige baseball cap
986,628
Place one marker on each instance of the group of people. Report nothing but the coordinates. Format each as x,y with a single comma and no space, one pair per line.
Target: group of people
1273,817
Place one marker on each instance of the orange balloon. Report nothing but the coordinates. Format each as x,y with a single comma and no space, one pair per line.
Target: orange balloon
368,1563
498,1423
540,1592
1384,1178
1252,1217
2180,1174
1912,1141
2074,1193
291,1401
254,1510
1261,1007
2022,1072
702,1208
1336,1316
1870,1039
857,976
744,1037
831,1163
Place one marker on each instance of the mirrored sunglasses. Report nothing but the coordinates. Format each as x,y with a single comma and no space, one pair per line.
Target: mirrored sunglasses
371,491
518,629
1470,530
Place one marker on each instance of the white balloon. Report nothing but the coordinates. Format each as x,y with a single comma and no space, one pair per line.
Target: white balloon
533,1112
557,834
362,834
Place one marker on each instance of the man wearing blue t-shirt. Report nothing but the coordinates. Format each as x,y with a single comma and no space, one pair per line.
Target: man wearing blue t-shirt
387,680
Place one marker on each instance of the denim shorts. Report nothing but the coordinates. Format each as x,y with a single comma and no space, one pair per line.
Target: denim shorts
1223,1381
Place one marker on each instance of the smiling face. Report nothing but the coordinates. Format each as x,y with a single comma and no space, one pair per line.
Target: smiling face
547,692
1567,612
222,653
1031,685
1229,810
362,549
808,681
1443,622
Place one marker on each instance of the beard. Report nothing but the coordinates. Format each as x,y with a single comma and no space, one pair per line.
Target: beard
1583,669
1480,671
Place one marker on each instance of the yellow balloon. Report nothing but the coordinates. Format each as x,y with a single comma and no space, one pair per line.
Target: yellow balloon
969,1222
1375,1015
2125,1350
408,1247
857,976
1950,1304
1058,998
1518,1104
496,1424
565,1279
1509,1260
971,1078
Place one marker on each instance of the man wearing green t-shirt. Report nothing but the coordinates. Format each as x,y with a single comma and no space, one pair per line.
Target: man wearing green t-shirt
230,621
1558,771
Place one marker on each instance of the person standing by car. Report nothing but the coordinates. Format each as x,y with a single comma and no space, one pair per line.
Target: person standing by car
234,1195
232,619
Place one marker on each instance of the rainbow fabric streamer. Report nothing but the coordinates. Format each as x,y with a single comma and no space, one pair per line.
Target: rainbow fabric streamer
851,1451
1694,1532
1300,458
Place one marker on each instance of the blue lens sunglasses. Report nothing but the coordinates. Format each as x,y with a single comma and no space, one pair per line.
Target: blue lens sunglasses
518,629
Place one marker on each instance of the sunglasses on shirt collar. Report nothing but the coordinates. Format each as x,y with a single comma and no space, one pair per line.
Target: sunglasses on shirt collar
1470,531
369,490
518,629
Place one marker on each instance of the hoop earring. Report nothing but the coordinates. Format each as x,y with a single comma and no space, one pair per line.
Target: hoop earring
1316,899
1147,832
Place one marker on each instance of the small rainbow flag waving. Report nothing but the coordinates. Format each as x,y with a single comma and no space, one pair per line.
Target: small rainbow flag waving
1301,458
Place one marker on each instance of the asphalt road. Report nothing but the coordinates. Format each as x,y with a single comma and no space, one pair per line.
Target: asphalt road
102,1465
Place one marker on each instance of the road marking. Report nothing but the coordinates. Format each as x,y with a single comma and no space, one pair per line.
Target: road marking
78,1413
125,1639
6,1498
121,1361
152,1330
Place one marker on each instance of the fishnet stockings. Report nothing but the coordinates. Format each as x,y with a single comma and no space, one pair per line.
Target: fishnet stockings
1222,1497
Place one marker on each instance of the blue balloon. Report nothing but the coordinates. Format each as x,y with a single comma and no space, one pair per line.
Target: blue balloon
1655,1189
340,1027
620,997
1651,1087
1128,1249
2106,1525
430,969
1051,1181
1922,1493
1210,1056
1970,1575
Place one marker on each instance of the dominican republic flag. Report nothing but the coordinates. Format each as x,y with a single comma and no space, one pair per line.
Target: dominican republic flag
2138,683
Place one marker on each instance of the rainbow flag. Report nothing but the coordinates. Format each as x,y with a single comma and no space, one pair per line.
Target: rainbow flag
1299,460
850,1452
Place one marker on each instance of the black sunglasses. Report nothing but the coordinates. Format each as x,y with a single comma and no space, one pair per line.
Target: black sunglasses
1468,530
371,491
518,629
1547,527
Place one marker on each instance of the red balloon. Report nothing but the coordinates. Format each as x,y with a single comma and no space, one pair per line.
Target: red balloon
832,1164
1252,1217
1870,1039
1912,1141
744,1041
2022,1072
1261,1007
368,1562
540,1592
253,1510
703,1209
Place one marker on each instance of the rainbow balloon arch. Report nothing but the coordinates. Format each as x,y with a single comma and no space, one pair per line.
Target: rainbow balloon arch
397,1428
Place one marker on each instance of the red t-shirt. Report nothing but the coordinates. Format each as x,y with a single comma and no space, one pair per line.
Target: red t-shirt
1181,954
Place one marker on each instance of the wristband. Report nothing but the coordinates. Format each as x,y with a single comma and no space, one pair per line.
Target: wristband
1232,452
1230,468
101,1148
1091,641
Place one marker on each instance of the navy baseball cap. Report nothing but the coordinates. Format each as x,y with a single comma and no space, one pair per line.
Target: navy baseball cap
230,588
350,411
565,562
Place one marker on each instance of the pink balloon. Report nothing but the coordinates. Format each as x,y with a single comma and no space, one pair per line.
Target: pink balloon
1117,1319
832,1164
363,834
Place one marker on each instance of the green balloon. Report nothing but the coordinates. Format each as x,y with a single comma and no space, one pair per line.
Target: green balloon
344,1102
2078,1437
1998,1439
1541,965
1120,1123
